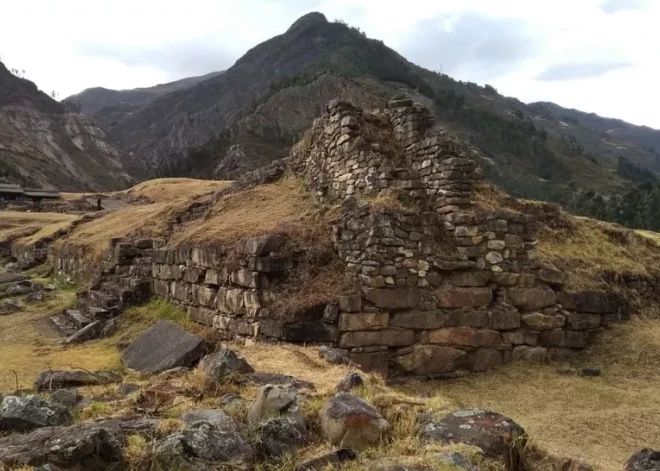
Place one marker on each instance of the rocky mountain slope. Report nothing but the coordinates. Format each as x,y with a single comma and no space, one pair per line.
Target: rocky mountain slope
252,113
42,143
106,106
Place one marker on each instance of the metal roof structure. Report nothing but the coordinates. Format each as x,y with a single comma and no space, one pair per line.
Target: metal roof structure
10,188
34,193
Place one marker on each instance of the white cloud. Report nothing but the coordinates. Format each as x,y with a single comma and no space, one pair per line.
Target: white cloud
70,45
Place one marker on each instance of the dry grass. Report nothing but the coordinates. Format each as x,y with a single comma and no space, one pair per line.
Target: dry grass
165,199
26,228
587,249
282,206
29,345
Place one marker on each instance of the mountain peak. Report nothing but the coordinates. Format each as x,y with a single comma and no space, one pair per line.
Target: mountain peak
310,19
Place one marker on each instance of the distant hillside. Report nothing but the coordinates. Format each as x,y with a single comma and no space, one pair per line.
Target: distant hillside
610,137
42,143
102,104
252,113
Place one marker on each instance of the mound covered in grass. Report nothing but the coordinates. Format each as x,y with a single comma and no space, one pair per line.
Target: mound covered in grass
26,228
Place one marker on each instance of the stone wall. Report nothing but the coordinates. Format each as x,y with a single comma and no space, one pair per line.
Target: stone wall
444,285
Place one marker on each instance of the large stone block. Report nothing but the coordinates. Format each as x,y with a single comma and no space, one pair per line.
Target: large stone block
386,337
420,320
577,321
470,278
530,354
371,361
530,299
486,359
429,360
204,296
214,277
351,303
193,275
468,317
252,302
263,245
464,297
561,338
394,298
181,291
504,317
464,336
349,321
540,321
520,337
161,288
551,276
162,347
309,331
272,264
591,302
245,278
512,279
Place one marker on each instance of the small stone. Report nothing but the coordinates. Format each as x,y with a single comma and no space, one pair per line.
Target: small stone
334,356
494,257
349,382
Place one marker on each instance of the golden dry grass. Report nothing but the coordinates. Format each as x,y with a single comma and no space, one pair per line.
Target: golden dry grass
28,345
26,228
587,249
166,198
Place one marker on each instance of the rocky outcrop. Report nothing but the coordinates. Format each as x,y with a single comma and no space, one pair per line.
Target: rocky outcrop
51,380
222,365
163,347
643,460
22,414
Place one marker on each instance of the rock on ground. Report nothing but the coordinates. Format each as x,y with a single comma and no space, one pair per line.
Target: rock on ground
163,347
644,460
351,421
52,380
91,447
349,382
9,306
279,436
221,365
11,277
35,297
334,356
276,401
332,458
278,379
67,397
25,413
215,417
206,443
496,435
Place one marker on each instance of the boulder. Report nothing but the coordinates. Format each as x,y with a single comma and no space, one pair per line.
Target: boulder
351,421
18,289
125,389
278,379
216,417
89,447
89,332
334,356
263,245
593,302
35,297
276,401
643,460
222,365
22,414
10,306
11,277
164,346
54,379
279,436
430,360
498,436
455,460
202,444
49,287
321,463
349,382
67,397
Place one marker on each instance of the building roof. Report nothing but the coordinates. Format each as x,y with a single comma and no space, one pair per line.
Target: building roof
39,193
10,188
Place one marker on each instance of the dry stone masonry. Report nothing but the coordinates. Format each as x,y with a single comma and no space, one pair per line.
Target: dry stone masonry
445,286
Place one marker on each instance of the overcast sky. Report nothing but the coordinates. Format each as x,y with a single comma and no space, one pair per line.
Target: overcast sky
599,56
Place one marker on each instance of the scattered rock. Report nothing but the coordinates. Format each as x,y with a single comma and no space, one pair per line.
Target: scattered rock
216,417
22,414
10,306
164,346
351,421
230,399
35,297
109,328
67,397
125,389
89,332
274,378
643,460
349,382
496,435
205,443
51,380
11,277
276,401
332,458
591,372
89,447
220,366
49,287
456,460
47,467
18,289
279,436
175,372
334,356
